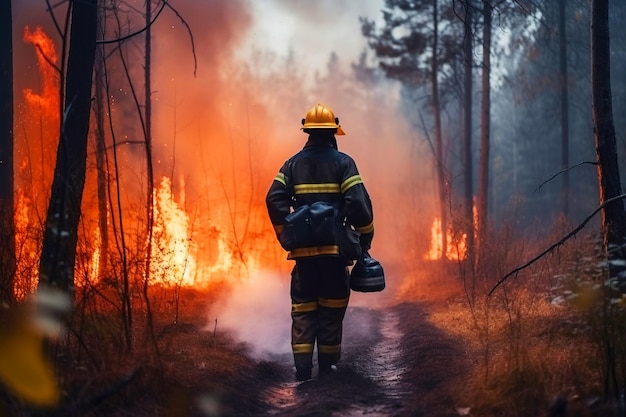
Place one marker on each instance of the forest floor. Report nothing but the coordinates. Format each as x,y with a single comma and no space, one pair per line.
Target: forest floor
407,367
401,356
395,362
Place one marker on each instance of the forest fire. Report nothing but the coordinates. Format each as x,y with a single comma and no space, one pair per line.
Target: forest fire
214,226
187,249
145,136
455,247
47,101
172,258
175,257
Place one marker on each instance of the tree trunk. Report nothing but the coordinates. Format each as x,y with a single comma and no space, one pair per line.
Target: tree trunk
485,120
101,160
7,224
441,180
150,172
613,218
467,127
61,234
564,110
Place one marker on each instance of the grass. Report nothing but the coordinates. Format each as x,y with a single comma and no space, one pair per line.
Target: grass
530,342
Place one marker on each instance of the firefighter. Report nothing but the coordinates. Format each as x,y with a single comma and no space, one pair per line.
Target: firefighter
320,288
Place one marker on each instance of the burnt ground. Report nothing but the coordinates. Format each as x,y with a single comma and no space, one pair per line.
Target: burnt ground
395,362
397,365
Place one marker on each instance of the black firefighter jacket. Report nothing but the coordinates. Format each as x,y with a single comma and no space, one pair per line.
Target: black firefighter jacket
319,172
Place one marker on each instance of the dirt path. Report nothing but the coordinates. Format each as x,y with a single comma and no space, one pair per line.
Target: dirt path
395,363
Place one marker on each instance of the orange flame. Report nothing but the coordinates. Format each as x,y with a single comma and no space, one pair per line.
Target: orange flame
456,246
174,252
48,100
26,246
180,254
173,260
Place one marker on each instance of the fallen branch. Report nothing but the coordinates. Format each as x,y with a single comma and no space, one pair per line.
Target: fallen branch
563,171
557,244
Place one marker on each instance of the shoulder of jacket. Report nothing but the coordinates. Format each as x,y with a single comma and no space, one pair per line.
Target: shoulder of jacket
345,157
289,161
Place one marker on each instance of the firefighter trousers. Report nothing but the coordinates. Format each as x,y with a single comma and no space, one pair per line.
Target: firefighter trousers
320,289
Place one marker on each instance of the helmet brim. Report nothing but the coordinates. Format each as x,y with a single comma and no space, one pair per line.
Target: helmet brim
338,129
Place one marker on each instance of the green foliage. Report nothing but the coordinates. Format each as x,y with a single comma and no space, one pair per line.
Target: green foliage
405,45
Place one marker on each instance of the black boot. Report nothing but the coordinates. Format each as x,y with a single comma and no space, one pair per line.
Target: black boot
303,374
303,365
327,370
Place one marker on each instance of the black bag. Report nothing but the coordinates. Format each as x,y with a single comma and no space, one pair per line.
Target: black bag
320,224
309,226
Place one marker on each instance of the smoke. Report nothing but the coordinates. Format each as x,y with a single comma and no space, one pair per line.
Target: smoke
258,313
312,30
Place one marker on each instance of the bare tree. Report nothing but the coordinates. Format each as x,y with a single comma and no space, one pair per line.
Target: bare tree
7,226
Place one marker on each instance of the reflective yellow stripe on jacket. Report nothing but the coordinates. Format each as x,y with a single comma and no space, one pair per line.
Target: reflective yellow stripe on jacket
314,251
365,229
323,188
350,182
280,177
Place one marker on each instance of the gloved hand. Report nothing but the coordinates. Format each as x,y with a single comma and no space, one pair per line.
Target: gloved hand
366,241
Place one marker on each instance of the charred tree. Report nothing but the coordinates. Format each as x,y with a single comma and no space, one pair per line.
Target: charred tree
61,232
7,225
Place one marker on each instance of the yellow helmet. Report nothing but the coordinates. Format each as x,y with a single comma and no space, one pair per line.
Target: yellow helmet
322,117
